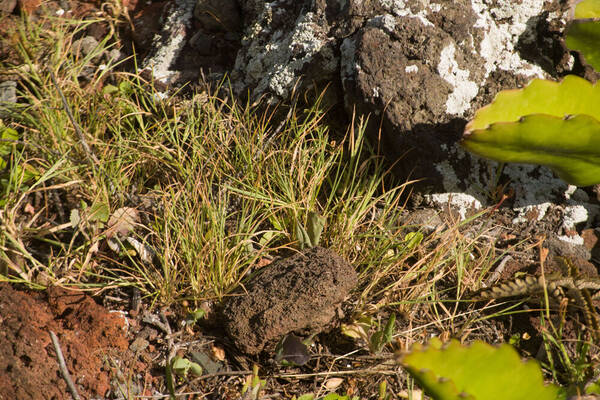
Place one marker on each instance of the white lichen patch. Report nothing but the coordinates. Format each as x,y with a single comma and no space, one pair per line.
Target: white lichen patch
537,191
348,63
535,188
385,22
479,168
464,91
577,212
461,202
573,215
575,240
399,9
272,64
498,45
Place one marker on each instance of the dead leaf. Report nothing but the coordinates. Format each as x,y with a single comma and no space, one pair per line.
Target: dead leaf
29,209
333,383
217,353
263,262
122,221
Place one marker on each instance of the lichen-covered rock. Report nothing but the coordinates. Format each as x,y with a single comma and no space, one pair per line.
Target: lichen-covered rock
420,68
284,40
299,293
218,15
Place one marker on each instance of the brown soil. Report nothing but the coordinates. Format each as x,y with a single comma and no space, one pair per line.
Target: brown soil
87,332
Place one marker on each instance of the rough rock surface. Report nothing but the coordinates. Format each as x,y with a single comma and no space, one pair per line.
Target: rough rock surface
298,293
419,67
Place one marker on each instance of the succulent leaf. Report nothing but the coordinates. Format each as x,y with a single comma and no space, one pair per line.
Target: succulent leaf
479,371
587,9
574,95
584,36
548,123
570,147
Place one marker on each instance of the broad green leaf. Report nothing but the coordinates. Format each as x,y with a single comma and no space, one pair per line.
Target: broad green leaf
587,9
584,36
8,136
479,371
572,96
570,147
310,236
99,212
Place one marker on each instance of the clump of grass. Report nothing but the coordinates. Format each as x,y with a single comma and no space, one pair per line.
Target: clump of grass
219,186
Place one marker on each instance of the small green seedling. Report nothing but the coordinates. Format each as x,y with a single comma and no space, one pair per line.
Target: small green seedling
253,385
548,123
377,340
181,367
195,316
310,236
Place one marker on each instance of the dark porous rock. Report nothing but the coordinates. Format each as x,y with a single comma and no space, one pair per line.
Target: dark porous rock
218,15
421,69
301,293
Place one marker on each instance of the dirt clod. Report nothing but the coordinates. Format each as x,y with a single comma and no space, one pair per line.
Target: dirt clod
299,293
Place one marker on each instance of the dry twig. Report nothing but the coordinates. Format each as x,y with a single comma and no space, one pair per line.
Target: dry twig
63,366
